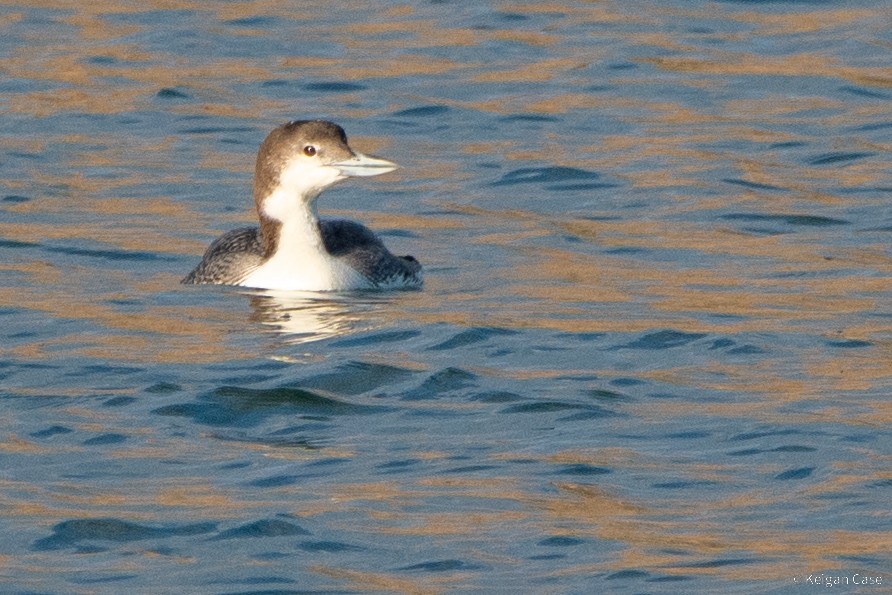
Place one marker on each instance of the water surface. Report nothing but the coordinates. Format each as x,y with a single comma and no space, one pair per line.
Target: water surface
652,353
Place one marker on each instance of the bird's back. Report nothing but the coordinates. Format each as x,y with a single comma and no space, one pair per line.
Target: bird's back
363,251
229,259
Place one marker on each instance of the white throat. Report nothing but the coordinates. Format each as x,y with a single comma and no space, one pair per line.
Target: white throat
300,261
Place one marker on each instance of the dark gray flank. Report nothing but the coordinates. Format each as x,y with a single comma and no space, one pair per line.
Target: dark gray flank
235,254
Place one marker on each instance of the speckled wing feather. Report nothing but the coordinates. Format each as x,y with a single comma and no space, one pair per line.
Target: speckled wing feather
363,251
229,259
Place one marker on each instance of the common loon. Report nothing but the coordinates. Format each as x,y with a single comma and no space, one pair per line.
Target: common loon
293,249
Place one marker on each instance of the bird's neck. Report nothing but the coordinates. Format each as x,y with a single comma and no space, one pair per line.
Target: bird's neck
295,257
290,224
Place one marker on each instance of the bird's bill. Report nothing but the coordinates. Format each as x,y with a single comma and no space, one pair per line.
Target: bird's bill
364,165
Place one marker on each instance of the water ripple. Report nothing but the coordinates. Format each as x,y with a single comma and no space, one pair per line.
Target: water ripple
838,158
263,528
72,533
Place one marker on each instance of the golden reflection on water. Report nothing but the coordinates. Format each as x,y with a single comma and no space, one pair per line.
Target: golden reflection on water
791,65
388,582
648,539
554,281
190,334
767,284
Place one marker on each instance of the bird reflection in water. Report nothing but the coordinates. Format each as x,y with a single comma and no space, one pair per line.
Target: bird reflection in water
304,317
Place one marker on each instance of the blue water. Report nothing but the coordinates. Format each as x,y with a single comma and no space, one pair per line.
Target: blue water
651,354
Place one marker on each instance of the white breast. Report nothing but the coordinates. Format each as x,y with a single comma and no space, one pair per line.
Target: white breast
300,261
305,271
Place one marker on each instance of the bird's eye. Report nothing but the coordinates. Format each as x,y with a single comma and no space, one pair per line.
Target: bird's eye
309,150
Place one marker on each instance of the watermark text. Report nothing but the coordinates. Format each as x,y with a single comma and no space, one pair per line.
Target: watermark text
840,580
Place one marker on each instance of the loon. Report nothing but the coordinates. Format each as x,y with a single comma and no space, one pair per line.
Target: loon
293,249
